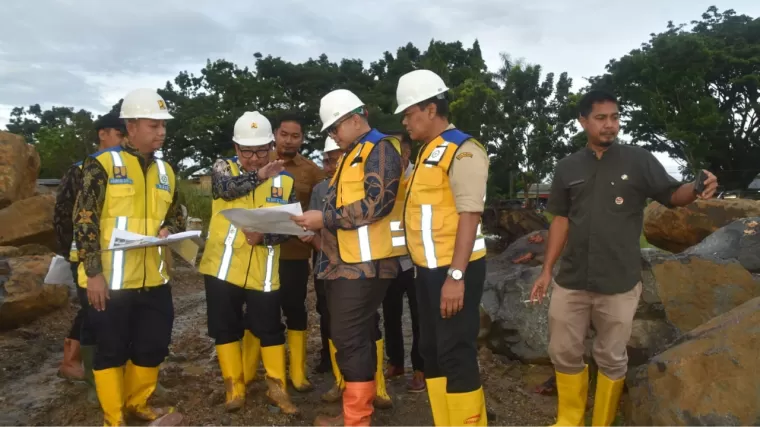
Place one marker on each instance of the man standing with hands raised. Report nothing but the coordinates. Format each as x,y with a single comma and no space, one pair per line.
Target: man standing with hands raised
598,197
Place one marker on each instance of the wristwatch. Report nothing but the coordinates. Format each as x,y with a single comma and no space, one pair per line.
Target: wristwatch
455,274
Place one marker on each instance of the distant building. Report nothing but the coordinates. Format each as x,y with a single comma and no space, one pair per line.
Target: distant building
540,191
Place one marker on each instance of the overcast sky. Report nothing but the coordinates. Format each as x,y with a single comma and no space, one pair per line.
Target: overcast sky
90,53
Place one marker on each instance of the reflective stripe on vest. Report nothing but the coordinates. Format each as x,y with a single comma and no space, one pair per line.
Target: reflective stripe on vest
224,266
270,268
117,264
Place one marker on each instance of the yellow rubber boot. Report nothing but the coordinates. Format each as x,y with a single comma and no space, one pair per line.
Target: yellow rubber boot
572,391
139,385
382,399
109,385
231,362
251,356
436,388
606,400
467,409
277,392
336,392
297,345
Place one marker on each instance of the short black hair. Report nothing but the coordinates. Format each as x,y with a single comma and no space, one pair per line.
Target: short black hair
586,104
290,116
441,104
110,121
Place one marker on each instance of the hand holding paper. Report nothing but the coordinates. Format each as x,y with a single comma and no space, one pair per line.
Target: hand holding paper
269,220
311,220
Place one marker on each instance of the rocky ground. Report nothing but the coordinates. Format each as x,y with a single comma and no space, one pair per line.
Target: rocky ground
32,394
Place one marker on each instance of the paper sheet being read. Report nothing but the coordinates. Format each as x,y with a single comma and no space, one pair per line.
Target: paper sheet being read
185,244
270,220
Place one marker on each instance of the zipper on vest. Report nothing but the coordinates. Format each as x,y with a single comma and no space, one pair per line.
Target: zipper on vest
248,270
145,207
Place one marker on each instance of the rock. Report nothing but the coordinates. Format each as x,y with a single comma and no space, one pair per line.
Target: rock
675,230
691,290
24,297
528,250
511,224
739,240
9,251
19,166
34,249
28,221
709,377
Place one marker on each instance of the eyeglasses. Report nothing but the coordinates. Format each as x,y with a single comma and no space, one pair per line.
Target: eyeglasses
260,153
333,129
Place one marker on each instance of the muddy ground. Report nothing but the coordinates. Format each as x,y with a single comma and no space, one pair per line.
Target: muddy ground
32,394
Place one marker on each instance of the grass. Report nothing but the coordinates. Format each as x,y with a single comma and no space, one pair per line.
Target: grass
642,240
197,201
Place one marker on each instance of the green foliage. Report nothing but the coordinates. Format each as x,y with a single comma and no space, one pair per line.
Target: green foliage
197,202
693,93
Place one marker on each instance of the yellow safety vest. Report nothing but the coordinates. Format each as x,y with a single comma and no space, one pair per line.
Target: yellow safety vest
73,252
136,202
430,216
228,256
381,239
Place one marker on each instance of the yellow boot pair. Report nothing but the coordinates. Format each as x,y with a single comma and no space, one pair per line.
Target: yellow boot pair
251,356
382,399
127,390
297,345
277,392
455,409
231,362
573,394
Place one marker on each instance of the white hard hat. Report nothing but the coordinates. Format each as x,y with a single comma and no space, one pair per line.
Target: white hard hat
417,86
337,104
330,145
252,129
144,104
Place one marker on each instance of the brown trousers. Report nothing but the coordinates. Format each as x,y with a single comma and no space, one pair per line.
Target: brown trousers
571,312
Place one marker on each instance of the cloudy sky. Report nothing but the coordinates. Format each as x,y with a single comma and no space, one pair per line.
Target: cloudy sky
89,53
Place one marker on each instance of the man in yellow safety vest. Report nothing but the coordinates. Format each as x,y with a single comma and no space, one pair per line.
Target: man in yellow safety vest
361,238
444,202
242,267
127,188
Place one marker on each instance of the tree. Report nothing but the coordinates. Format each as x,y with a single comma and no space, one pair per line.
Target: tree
693,93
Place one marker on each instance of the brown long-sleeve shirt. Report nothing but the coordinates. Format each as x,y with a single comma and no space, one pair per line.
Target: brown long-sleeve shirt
382,172
89,206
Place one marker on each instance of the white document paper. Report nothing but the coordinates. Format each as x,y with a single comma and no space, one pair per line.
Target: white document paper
185,244
269,220
59,272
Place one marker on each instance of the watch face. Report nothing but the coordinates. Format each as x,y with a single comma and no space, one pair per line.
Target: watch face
456,275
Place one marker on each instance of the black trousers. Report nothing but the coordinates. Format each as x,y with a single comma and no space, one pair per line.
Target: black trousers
136,325
393,309
294,276
449,346
227,321
354,324
80,328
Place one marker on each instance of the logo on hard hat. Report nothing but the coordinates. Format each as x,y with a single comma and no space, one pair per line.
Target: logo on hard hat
161,105
254,125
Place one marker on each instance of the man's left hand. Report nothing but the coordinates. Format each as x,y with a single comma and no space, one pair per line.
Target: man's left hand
452,297
164,233
310,220
711,185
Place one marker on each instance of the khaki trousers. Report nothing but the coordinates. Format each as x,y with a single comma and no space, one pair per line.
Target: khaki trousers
571,312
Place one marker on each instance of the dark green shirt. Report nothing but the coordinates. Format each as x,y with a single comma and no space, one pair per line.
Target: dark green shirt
604,200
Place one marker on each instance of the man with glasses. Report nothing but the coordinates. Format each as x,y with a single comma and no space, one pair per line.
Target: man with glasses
361,238
241,267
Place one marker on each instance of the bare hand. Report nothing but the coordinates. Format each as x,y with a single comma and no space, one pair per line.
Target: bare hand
97,292
711,185
253,238
310,220
271,169
452,297
306,239
164,233
540,286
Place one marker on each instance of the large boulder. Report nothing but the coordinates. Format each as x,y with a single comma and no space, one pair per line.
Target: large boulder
710,377
23,296
510,224
690,290
676,230
739,241
29,221
19,167
679,293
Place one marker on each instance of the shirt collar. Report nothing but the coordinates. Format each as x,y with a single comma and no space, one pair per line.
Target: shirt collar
127,146
611,149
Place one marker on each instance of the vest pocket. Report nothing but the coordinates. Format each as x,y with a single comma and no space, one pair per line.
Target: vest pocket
428,186
120,198
422,221
162,199
351,187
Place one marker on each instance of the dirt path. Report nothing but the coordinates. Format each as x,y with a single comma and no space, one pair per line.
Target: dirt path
32,394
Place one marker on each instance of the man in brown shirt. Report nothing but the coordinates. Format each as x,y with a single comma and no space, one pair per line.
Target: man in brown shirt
295,254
